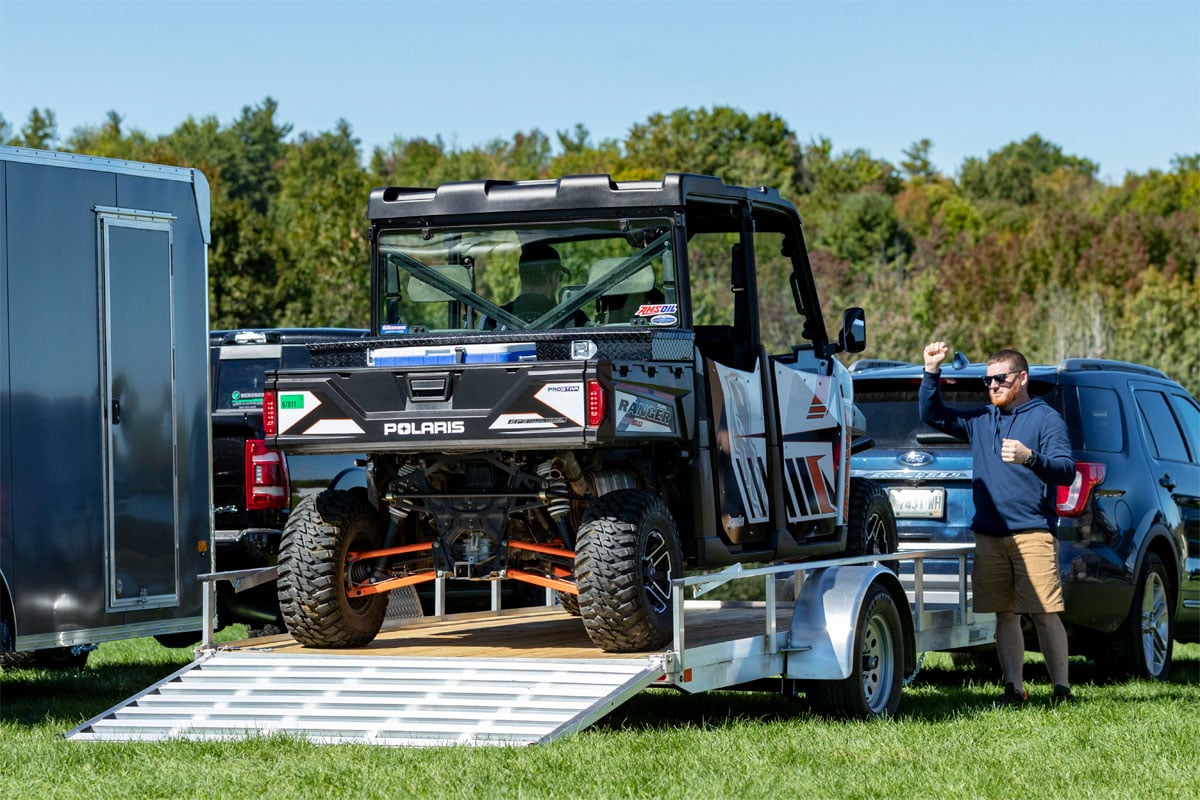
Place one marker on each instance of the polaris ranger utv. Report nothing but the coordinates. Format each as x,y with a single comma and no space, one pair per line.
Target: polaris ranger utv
582,384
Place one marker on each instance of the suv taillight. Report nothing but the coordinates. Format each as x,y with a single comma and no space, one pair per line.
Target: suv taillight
1073,499
595,403
270,414
266,477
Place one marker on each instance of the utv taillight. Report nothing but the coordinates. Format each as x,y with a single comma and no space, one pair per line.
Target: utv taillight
270,414
595,403
266,477
1073,499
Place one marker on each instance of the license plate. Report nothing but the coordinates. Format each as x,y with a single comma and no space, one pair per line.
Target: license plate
922,503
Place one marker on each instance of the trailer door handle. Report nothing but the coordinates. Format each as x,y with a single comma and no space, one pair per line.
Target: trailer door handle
116,412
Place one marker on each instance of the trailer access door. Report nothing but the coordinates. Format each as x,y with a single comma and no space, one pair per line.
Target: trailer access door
139,426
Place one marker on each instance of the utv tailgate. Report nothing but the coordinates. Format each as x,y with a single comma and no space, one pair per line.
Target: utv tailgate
447,407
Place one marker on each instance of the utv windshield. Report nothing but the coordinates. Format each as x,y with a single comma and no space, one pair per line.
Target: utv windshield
535,277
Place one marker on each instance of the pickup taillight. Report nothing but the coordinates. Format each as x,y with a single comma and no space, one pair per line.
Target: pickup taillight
1073,499
266,477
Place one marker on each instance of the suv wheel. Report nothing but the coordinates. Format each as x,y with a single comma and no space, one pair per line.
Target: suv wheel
314,575
1141,647
626,556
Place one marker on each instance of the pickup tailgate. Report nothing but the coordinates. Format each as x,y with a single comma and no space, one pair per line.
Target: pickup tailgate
418,408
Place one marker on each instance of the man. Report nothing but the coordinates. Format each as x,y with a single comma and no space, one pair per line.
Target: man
541,271
1020,451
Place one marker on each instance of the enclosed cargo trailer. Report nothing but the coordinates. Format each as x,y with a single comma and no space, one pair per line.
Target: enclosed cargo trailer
105,495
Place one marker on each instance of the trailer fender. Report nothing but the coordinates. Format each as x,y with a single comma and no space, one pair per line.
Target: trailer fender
821,639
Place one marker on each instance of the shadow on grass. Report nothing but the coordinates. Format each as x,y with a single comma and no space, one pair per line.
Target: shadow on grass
937,695
68,697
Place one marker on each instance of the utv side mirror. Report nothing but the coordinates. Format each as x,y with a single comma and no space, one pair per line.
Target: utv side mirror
852,338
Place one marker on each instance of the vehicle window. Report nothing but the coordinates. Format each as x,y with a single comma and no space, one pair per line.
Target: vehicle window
1093,417
710,269
542,276
1166,439
893,420
240,383
1189,415
775,244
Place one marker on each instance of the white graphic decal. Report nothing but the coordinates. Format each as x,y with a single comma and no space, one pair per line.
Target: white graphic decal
294,406
521,422
333,427
565,398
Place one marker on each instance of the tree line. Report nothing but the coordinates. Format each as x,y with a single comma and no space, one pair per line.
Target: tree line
1024,247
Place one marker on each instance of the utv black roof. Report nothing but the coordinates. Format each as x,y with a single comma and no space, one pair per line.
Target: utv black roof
570,193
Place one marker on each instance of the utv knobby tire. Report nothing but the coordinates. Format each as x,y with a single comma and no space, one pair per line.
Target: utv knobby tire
312,583
626,554
871,527
569,602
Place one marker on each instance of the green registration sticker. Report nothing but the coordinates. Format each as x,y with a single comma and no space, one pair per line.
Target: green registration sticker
292,401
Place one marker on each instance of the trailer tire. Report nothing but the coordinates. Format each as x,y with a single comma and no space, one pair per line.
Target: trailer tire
873,688
871,527
313,577
626,556
1141,648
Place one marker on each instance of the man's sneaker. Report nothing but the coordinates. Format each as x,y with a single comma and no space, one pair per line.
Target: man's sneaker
1062,694
1012,697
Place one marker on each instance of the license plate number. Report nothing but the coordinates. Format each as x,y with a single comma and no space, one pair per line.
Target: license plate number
922,503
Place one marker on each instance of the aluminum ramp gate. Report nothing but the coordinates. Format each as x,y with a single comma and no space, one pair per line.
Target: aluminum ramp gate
381,700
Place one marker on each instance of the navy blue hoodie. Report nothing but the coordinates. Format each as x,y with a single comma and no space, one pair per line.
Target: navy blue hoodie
1009,498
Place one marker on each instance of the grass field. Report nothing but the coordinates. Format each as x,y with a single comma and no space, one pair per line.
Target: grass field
1132,740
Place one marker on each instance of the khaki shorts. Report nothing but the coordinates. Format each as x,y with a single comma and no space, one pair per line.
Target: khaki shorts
1017,573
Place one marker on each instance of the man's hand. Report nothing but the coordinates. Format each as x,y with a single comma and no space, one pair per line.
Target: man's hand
935,354
1013,452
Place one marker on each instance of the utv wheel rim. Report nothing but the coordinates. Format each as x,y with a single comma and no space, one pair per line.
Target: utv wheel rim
656,571
1155,623
878,664
877,531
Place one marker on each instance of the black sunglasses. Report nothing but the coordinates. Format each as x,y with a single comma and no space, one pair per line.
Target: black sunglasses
998,379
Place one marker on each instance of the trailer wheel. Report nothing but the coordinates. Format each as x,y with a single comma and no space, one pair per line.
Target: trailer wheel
313,574
873,688
626,555
871,528
1141,647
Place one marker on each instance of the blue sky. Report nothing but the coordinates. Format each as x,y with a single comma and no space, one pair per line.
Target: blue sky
1115,82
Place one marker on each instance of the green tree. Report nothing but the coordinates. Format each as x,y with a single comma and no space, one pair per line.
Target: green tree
40,131
916,163
323,276
1008,174
724,142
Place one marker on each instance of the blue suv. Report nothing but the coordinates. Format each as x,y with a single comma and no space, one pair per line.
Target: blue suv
1129,526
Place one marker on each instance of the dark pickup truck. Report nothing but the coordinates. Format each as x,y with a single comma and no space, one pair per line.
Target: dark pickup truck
254,486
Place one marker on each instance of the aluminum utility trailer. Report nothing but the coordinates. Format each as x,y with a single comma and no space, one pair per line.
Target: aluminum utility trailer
529,676
105,505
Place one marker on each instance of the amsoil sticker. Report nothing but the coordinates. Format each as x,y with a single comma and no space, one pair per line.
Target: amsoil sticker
651,310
